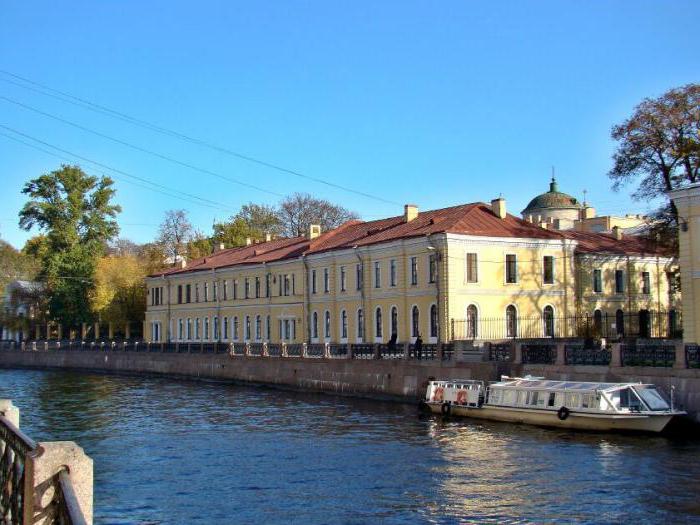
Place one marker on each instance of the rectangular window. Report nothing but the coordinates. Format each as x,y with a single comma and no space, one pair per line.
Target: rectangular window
392,272
257,287
377,275
358,276
511,268
472,270
246,288
414,270
597,281
267,286
179,294
313,281
326,281
293,286
235,289
215,291
286,284
432,268
548,264
206,292
343,279
196,292
225,290
188,293
619,281
646,283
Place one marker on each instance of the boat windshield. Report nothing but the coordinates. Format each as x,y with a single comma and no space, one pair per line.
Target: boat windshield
652,398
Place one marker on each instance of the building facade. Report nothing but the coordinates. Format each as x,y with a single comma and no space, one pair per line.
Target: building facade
471,271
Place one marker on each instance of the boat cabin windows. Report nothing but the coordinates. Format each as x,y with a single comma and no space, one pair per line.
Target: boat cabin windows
626,398
652,398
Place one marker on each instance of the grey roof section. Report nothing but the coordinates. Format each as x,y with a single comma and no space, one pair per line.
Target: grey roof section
25,286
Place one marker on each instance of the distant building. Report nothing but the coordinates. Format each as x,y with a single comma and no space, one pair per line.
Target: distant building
20,310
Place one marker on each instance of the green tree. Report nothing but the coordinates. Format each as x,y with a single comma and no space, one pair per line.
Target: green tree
75,213
300,210
253,221
119,295
174,235
659,149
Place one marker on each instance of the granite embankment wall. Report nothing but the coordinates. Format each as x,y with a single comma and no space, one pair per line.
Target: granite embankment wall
398,379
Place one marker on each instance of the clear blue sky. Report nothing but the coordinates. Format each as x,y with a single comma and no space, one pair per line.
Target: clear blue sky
435,103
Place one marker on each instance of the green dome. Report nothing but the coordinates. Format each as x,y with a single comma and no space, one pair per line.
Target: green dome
552,199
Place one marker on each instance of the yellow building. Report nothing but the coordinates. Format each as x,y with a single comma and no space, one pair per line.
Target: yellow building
470,271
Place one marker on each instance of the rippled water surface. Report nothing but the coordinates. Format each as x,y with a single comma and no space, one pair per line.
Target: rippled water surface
168,451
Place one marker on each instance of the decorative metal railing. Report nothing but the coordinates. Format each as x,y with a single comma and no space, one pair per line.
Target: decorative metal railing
539,354
363,351
315,350
255,349
274,350
578,355
427,351
500,352
448,351
295,350
338,351
659,355
692,356
390,352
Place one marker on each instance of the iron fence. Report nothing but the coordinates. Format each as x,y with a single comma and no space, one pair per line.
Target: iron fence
692,356
539,354
645,324
500,352
316,350
579,355
425,352
363,351
295,350
390,351
338,351
659,355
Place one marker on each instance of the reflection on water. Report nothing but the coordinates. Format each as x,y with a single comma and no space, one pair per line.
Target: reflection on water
170,451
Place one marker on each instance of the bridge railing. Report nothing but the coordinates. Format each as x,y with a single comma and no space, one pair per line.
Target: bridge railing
47,482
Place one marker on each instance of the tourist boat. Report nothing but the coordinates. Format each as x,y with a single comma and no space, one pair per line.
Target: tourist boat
564,404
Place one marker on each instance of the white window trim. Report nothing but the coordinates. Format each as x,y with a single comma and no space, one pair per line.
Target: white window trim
554,270
517,324
340,326
505,269
478,316
554,316
411,337
466,269
430,320
378,338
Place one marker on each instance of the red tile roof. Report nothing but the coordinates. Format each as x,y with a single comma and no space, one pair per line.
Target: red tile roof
469,219
589,242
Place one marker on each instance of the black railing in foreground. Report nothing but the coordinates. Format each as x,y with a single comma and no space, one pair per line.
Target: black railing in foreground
295,350
500,352
645,324
390,352
578,355
363,351
692,356
426,352
539,354
339,351
660,355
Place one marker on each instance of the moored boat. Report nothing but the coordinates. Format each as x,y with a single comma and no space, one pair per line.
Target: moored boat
564,404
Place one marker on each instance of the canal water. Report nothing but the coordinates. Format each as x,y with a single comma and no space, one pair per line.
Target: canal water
169,451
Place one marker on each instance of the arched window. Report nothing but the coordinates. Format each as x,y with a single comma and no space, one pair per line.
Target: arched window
268,328
394,320
415,322
314,325
327,332
344,324
378,322
197,333
472,321
179,329
206,328
548,321
511,321
258,327
433,321
598,322
360,324
620,322
189,329
246,332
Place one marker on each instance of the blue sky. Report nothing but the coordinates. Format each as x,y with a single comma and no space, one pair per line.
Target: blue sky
434,103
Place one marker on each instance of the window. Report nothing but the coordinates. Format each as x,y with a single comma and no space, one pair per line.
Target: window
511,321
472,269
206,292
257,287
268,329
394,321
620,322
598,322
326,281
548,321
179,294
597,281
414,270
619,281
511,268
179,329
433,321
378,322
258,328
548,269
472,321
392,272
235,289
235,328
313,281
206,328
432,268
225,290
359,276
246,329
377,275
216,328
189,329
215,291
246,288
268,288
343,279
225,326
415,322
344,324
646,283
287,284
314,325
196,328
360,324
327,327
196,293
188,293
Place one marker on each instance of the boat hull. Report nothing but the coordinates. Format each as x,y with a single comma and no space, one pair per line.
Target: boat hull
575,420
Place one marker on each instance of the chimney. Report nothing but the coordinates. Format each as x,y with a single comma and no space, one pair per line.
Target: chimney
498,207
314,231
588,212
410,212
183,262
248,241
268,237
617,232
219,247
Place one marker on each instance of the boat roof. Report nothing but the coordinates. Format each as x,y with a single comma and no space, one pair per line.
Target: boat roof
539,383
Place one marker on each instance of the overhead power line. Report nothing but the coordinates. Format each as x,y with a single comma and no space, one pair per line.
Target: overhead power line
98,108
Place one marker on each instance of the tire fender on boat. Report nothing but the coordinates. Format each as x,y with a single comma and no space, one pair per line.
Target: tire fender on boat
445,409
563,413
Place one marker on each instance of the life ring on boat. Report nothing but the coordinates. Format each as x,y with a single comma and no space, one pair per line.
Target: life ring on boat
461,397
563,413
438,394
445,409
